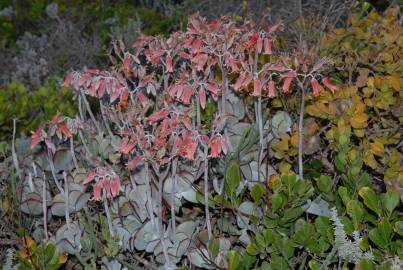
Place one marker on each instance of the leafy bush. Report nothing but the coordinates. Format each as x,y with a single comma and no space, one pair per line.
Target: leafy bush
32,108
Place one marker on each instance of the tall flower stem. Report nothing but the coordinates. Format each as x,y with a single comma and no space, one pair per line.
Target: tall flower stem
301,132
208,221
108,218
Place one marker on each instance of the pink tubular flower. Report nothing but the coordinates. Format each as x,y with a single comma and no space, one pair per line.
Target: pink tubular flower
317,88
272,89
329,85
218,145
257,88
287,84
188,145
107,183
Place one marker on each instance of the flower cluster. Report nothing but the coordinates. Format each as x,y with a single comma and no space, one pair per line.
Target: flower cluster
107,183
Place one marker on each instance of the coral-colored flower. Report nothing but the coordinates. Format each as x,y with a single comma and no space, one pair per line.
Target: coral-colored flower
217,145
257,88
272,89
187,146
107,183
329,85
287,84
317,88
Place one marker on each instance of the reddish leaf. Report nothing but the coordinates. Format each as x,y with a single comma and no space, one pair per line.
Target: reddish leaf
257,88
202,98
158,115
329,85
169,63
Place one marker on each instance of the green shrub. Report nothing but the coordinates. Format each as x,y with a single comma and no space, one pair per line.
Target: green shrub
32,108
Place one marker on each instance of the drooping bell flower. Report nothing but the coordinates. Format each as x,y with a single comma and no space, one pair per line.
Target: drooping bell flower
272,89
288,80
329,85
218,144
317,88
107,183
257,88
287,84
187,145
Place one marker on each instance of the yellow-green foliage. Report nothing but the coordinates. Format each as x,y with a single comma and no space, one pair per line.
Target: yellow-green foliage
32,108
367,113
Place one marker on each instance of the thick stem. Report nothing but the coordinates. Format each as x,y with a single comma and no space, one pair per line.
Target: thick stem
66,199
44,207
208,221
301,134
